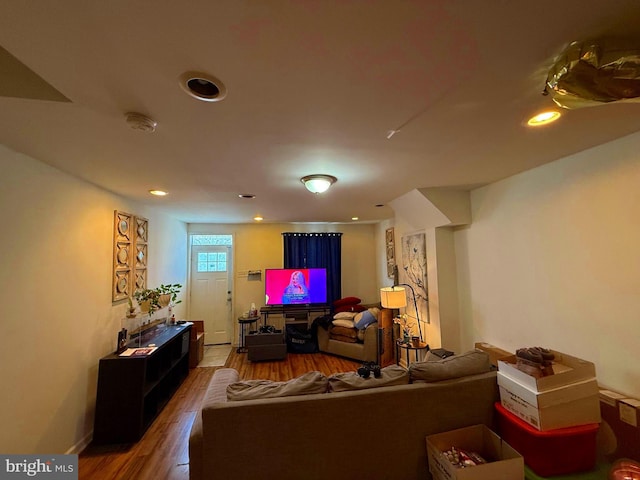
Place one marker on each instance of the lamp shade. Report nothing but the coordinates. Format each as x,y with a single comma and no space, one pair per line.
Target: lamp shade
393,297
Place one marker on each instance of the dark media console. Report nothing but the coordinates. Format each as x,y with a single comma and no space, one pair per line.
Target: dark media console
294,313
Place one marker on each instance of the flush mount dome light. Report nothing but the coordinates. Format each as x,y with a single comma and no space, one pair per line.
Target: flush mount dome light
203,87
318,183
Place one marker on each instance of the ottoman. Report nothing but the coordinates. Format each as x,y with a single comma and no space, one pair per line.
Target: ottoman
266,346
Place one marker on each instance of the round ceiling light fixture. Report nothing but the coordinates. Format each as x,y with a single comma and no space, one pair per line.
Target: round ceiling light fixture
318,183
203,87
141,122
158,193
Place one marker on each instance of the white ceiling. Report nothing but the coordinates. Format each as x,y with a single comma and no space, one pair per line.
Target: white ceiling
313,87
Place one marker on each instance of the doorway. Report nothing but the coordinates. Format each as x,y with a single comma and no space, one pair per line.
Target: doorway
210,292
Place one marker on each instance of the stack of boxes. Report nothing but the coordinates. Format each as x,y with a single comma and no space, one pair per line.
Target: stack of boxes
621,436
552,420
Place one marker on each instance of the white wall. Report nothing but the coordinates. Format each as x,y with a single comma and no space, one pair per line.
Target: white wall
552,258
57,315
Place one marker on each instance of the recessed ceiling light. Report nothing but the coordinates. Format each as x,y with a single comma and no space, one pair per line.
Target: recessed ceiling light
158,193
203,87
355,218
246,195
258,218
379,205
544,118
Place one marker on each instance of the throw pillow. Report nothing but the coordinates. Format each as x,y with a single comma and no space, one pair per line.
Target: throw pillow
391,375
343,315
469,363
346,301
364,319
307,384
350,308
343,322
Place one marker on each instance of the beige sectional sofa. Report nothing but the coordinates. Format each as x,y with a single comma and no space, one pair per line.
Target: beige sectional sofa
353,433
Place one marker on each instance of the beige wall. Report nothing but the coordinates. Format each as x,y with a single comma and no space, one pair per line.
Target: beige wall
552,258
260,246
57,315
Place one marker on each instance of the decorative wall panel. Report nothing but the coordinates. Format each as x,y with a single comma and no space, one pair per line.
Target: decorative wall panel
130,247
122,256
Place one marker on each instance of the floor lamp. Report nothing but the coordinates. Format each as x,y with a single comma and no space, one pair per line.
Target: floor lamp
396,297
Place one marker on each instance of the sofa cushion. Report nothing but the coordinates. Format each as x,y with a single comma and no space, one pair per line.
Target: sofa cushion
343,338
344,315
364,319
350,308
456,366
343,323
306,384
391,375
345,331
346,301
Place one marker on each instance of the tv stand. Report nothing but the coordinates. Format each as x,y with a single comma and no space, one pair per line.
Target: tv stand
294,313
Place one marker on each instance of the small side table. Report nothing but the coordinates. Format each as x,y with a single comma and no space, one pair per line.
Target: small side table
409,347
244,321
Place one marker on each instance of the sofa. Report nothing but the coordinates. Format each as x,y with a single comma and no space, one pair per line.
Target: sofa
364,348
373,430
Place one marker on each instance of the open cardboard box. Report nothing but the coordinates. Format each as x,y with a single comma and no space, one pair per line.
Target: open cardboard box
196,347
504,462
566,370
495,353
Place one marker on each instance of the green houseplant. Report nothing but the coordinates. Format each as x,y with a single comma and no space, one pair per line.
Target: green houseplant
159,297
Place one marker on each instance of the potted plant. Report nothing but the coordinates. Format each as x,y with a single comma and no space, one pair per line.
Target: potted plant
152,299
169,294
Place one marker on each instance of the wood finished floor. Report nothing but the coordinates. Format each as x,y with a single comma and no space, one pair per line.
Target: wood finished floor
163,452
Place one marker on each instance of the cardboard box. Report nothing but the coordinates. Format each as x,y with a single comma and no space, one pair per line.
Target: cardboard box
503,461
567,369
494,352
568,406
196,344
621,417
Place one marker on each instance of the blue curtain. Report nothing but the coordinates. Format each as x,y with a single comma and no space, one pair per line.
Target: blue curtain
316,250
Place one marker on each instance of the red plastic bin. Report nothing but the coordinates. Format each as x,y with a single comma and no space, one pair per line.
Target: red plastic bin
551,452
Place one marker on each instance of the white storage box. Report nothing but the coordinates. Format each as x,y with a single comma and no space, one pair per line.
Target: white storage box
567,406
567,369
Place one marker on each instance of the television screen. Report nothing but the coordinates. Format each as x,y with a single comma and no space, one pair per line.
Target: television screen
287,286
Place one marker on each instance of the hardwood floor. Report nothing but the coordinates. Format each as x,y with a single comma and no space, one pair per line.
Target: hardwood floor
163,452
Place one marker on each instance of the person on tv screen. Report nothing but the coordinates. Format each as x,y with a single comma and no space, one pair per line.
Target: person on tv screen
296,291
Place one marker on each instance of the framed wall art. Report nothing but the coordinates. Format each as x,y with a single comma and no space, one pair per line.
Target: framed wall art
414,269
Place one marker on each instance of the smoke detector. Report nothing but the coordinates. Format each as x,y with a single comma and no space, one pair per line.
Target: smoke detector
141,122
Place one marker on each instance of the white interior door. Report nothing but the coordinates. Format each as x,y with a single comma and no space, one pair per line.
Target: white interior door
211,291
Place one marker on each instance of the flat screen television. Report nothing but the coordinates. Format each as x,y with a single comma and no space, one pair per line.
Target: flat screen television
291,286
